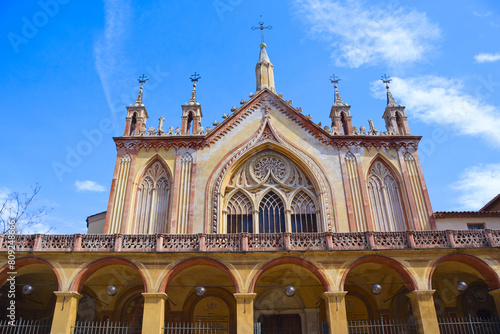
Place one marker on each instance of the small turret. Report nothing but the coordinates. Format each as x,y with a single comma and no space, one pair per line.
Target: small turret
340,112
136,113
396,121
191,112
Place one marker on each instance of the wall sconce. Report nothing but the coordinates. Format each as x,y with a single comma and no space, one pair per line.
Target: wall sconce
111,290
376,289
461,286
200,291
290,291
27,289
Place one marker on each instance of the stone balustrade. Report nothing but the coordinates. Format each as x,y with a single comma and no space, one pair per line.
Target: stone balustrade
248,242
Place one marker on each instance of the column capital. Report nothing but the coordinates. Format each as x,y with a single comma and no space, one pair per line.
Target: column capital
71,294
245,296
151,295
419,293
331,294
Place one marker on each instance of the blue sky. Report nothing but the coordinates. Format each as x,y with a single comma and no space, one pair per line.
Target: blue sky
71,67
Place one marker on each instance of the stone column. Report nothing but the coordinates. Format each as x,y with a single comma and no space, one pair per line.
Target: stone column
496,297
312,320
424,311
336,315
244,312
65,312
154,312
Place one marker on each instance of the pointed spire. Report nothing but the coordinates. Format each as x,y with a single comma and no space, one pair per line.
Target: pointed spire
192,100
194,79
142,80
390,100
263,53
337,101
264,71
138,101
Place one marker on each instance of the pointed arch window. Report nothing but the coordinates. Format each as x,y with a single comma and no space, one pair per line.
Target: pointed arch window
386,204
271,214
303,214
239,214
153,195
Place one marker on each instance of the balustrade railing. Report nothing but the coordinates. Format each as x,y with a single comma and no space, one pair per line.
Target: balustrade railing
248,242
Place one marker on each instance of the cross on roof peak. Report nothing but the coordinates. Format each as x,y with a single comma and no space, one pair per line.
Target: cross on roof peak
261,28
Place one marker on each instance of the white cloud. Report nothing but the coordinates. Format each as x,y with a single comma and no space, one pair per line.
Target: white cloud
362,34
89,186
108,49
485,14
487,57
4,193
438,100
478,184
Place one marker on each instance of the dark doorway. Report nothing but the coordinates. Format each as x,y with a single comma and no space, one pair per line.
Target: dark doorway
280,324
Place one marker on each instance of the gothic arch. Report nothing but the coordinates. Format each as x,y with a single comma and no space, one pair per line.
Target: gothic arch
407,277
94,266
162,186
197,261
295,261
234,160
489,275
26,261
387,200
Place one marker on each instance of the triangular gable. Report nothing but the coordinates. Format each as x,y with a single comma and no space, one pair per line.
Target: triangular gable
263,99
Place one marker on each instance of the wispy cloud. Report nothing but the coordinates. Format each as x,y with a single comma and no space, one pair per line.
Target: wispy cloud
439,100
108,49
88,185
478,185
485,14
487,57
362,34
4,193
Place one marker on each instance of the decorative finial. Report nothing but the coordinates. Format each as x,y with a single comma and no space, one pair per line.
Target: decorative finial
194,78
334,80
261,24
390,100
386,79
337,99
142,80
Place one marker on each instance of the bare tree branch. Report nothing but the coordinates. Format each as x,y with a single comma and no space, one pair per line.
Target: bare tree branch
19,208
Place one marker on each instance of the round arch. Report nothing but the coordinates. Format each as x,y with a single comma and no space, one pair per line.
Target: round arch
407,277
25,261
197,261
489,275
291,260
94,266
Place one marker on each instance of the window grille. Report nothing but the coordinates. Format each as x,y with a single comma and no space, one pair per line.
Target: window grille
271,214
303,214
239,214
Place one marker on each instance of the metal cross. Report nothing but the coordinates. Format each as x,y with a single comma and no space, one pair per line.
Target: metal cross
143,79
261,29
195,77
385,79
334,79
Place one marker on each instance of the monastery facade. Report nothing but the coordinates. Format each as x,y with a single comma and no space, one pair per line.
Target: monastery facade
263,223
